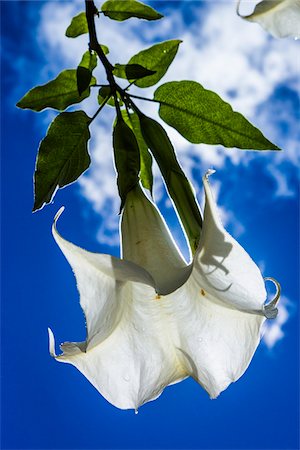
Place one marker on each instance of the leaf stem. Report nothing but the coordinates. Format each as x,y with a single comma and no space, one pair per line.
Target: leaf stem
100,109
99,85
129,85
144,98
125,94
118,109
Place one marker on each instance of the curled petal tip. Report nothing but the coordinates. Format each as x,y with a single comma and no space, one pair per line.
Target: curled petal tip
270,312
208,173
58,214
270,309
51,343
238,4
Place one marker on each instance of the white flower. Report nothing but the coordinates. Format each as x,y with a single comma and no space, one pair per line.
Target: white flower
281,18
152,320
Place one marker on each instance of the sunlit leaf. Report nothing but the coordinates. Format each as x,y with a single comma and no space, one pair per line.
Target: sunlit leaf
89,60
146,175
131,71
58,93
105,92
176,182
62,156
84,71
77,26
201,116
157,58
127,158
105,49
124,9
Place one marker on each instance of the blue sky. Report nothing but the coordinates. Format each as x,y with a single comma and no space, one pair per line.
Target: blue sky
50,405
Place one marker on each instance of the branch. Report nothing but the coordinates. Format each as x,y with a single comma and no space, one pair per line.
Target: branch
91,11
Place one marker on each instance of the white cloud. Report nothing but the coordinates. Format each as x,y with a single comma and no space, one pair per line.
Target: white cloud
274,329
282,189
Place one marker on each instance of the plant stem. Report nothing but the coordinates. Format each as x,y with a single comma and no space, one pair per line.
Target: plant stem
99,109
99,85
144,98
91,11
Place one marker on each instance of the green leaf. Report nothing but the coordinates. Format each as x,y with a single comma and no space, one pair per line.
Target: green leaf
157,58
124,9
104,92
62,156
105,49
127,158
77,26
83,76
131,71
146,175
89,60
201,116
58,93
176,182
84,71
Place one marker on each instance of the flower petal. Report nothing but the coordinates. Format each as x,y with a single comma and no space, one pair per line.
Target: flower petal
147,242
281,18
216,343
223,268
135,363
100,281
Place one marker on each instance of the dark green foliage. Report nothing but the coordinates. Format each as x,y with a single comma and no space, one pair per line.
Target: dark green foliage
125,9
58,93
131,71
176,182
127,158
201,116
63,155
104,92
157,58
85,70
146,175
77,26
